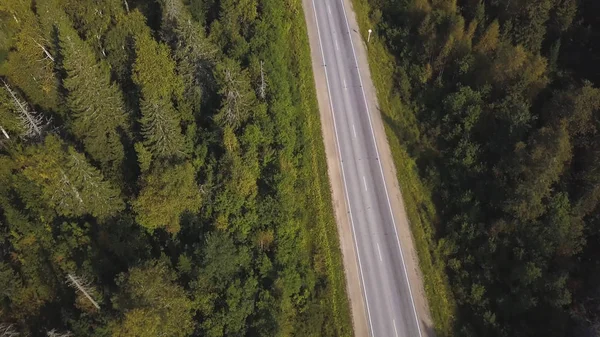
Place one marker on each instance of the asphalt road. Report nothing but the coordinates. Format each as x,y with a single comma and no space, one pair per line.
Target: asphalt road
386,289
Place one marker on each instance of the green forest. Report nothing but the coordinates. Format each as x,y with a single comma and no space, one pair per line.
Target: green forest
162,172
492,109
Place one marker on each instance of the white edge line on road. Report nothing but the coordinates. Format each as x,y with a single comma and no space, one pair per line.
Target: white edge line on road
343,175
362,88
365,182
380,257
396,331
354,130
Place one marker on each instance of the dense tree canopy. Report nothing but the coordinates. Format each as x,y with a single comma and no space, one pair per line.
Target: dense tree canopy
150,186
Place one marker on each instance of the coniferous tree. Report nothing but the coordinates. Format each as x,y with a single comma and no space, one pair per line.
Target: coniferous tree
159,85
30,65
193,52
67,182
96,104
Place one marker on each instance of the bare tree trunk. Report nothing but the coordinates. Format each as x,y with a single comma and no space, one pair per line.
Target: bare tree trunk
262,82
4,132
48,55
83,287
32,120
126,6
7,330
67,182
100,45
54,333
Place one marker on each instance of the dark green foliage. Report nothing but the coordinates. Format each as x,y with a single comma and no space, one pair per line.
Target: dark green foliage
221,223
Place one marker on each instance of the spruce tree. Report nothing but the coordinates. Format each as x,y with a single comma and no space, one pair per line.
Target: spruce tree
30,65
154,74
96,105
67,182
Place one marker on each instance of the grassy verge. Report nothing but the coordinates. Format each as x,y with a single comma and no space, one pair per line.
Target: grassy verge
319,195
417,197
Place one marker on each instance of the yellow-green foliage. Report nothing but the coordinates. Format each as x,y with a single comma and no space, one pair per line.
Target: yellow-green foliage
166,194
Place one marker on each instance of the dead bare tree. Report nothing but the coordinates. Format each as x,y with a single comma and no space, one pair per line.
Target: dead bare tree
126,6
33,122
54,333
8,330
236,102
46,52
67,183
82,286
263,85
98,38
4,132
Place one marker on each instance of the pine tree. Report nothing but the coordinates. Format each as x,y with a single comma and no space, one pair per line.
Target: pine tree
95,103
154,74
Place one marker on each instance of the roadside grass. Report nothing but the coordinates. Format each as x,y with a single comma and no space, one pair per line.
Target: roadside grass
416,195
315,176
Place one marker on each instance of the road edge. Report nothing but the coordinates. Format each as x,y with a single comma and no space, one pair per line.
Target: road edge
350,261
411,259
353,287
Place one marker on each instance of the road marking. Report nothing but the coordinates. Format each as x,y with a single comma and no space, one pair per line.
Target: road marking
344,83
412,300
379,251
329,9
396,331
365,182
337,47
354,130
362,277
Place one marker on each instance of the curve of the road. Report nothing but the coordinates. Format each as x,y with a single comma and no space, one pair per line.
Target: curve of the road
386,288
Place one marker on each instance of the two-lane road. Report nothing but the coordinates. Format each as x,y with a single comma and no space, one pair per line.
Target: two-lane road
385,286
